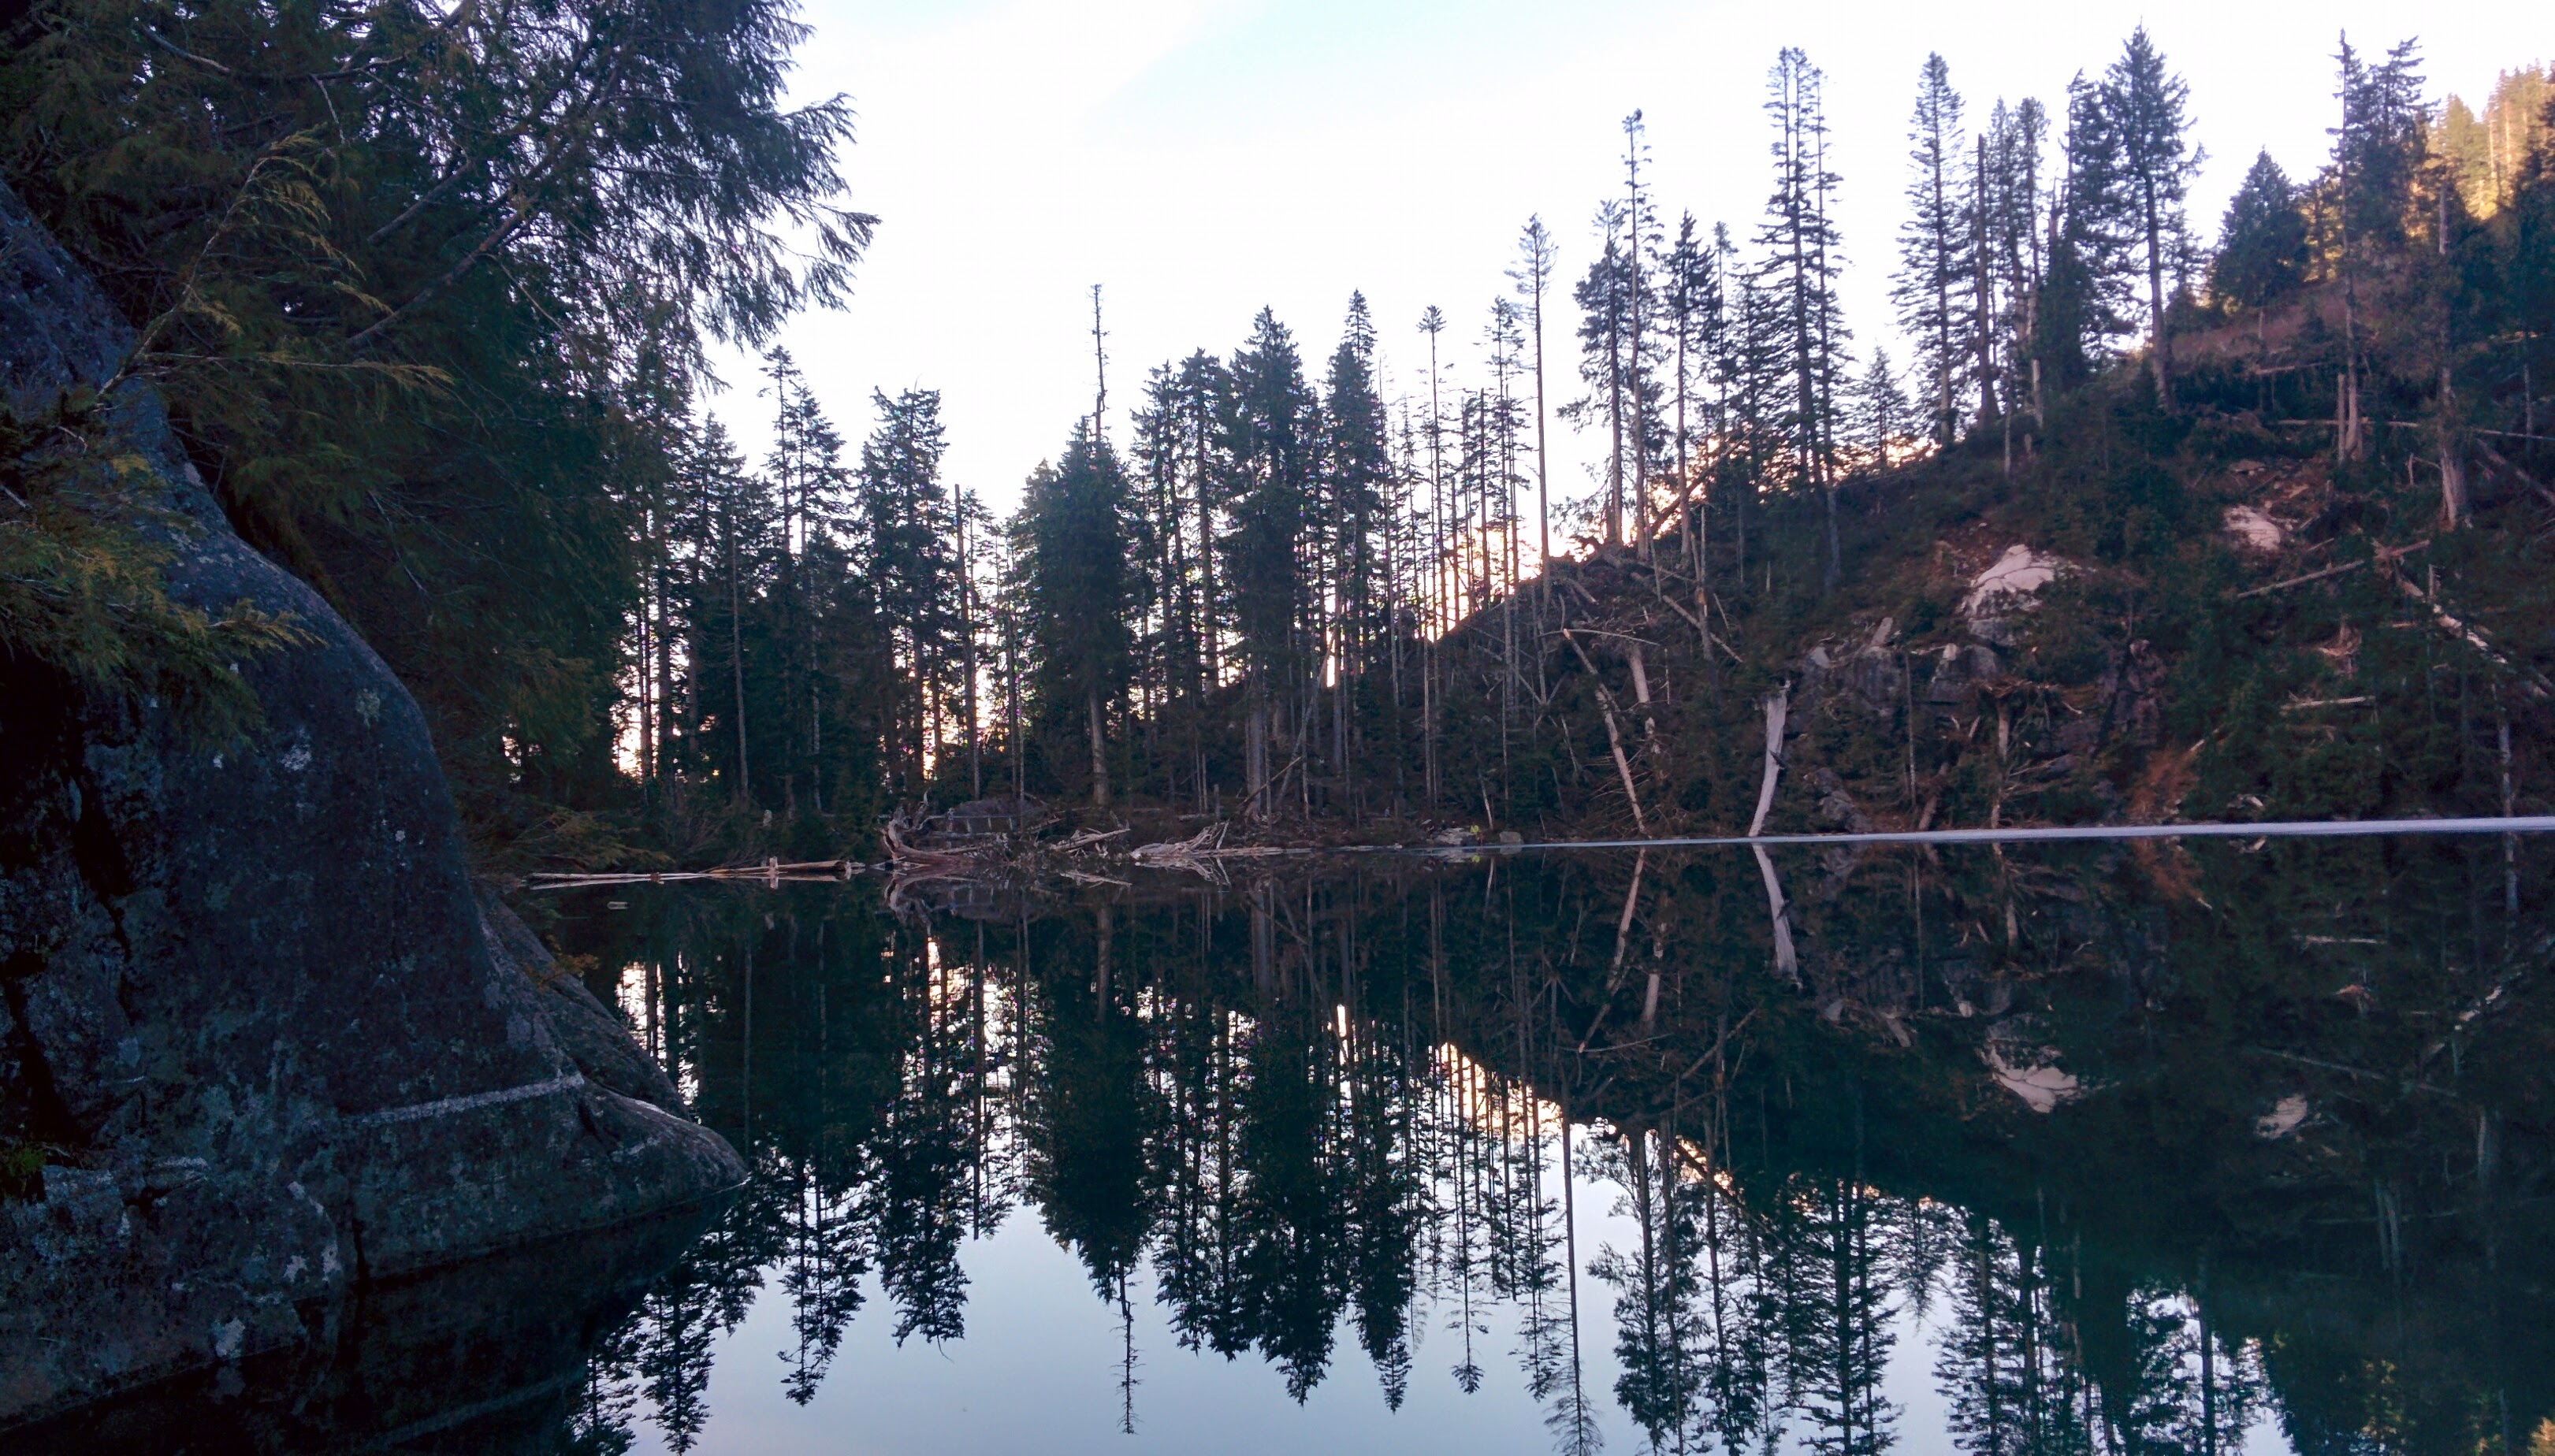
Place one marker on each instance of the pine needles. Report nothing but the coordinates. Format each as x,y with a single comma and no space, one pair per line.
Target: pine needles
82,589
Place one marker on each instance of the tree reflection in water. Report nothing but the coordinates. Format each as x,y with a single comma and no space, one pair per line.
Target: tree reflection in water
2293,1167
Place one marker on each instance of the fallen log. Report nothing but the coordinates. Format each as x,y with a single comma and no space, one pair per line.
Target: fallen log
1613,733
2384,553
797,871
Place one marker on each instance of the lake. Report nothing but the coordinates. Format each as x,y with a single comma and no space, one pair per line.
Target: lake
2164,1146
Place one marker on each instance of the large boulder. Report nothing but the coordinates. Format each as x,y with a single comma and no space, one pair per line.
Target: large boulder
252,1017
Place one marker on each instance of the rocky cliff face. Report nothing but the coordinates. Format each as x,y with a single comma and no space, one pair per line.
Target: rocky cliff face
251,1012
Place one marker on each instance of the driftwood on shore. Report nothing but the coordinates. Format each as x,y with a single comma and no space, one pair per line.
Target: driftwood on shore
773,871
1090,856
1203,854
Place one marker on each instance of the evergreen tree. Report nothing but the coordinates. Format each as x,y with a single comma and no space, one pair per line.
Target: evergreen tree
1615,344
1271,433
2377,154
732,532
2014,255
1759,415
1641,250
1070,552
1985,1365
1655,1314
1741,1321
808,485
2262,245
2145,107
428,294
1936,253
1604,297
1532,276
907,540
1356,471
1294,1208
919,1194
1841,1332
1801,265
2088,288
1165,661
1204,396
1879,412
1691,293
1504,422
2380,147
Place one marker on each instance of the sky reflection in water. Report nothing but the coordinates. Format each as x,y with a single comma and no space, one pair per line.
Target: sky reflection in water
1309,1123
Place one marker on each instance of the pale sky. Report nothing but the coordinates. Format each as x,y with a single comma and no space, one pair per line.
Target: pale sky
1202,158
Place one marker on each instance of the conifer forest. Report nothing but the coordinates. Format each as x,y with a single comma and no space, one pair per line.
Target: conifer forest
436,329
1258,848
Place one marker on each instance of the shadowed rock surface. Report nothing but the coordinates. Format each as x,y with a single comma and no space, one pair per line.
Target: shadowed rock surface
249,1003
492,1356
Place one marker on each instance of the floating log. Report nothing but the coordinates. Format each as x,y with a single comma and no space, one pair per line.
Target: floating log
771,870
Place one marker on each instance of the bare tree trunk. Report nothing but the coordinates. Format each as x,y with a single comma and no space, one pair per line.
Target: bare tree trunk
1099,751
1641,695
665,665
1206,555
1614,423
736,663
1946,418
1614,731
1255,752
1786,959
1542,479
2345,404
650,708
2160,347
1428,721
1985,332
2453,470
2509,842
1639,483
1778,707
967,626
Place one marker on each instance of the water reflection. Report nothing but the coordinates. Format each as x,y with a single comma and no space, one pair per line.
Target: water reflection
2123,1149
499,1355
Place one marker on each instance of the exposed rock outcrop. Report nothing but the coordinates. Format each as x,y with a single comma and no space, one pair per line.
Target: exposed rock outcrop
251,1012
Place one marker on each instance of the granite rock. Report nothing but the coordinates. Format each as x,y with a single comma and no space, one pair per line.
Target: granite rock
251,1009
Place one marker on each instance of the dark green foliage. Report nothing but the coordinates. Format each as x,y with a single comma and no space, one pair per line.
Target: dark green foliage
1294,594
2262,243
1802,263
906,529
82,597
2087,294
2146,106
424,296
1935,243
1069,559
1269,441
2382,143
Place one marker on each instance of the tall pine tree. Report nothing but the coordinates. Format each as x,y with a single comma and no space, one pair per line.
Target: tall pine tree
1801,267
1271,438
1936,254
1070,553
2146,106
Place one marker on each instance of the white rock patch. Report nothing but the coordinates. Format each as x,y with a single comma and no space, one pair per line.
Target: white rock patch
2254,530
2041,1089
2282,1118
2018,574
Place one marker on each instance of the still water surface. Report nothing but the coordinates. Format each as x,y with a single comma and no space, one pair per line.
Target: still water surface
2189,1149
2197,1148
